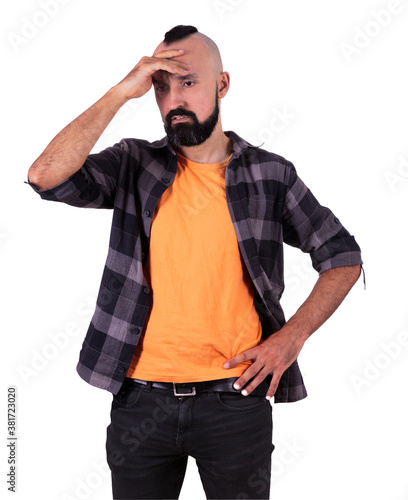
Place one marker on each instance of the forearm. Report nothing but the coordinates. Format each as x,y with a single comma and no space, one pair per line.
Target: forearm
328,293
68,151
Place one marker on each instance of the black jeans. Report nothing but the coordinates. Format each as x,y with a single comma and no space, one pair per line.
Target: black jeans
152,433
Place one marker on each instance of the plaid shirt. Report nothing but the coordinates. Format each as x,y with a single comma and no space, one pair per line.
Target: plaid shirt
268,204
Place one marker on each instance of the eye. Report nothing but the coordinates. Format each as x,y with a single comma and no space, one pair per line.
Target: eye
160,88
189,83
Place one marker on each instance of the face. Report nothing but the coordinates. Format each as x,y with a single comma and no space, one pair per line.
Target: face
189,104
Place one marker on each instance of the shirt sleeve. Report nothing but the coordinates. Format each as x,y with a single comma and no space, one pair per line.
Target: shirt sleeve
93,185
315,229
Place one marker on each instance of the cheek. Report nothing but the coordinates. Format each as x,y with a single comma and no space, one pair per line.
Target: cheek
204,105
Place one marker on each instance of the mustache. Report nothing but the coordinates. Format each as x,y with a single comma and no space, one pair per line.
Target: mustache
179,112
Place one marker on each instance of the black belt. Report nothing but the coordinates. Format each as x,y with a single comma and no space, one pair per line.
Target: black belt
193,388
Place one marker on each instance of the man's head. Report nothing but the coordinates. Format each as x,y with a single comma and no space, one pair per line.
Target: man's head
189,104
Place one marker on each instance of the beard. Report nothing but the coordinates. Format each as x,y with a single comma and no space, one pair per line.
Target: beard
190,134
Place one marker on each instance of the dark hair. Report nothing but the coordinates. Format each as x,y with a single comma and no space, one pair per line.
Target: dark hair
178,33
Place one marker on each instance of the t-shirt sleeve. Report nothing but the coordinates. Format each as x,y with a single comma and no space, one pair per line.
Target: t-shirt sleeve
315,229
93,185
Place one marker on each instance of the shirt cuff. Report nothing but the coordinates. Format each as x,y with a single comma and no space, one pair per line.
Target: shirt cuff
62,191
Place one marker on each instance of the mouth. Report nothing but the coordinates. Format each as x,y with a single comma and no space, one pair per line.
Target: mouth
179,118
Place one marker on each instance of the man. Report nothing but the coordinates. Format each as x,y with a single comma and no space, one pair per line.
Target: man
188,333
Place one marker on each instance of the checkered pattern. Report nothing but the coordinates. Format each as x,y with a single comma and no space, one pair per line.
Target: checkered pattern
269,205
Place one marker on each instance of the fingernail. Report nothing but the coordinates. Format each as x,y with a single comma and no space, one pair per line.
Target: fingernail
268,397
236,386
244,392
226,365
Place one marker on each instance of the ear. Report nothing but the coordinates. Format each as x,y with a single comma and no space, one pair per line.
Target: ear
223,84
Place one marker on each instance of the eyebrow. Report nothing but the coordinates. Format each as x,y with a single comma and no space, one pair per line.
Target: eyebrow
191,76
186,77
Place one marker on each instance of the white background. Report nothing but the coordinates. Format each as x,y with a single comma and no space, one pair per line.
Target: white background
345,131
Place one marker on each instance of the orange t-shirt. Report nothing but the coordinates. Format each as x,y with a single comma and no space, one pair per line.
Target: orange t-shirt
202,309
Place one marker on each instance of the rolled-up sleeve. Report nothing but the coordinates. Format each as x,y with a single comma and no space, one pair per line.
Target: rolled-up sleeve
93,185
315,229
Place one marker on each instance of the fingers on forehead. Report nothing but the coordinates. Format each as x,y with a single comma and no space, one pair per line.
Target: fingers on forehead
167,53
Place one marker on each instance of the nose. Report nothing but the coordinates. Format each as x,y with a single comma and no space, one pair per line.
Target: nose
175,98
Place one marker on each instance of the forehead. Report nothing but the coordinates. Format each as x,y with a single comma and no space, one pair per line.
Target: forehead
195,53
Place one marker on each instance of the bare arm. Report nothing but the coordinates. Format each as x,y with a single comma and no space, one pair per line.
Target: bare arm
68,151
275,354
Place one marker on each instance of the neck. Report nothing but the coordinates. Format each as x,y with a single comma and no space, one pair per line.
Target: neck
215,149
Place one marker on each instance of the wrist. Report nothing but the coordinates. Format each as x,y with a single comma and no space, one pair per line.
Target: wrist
295,332
117,96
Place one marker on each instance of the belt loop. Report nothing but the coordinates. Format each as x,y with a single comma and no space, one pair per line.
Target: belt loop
148,386
211,390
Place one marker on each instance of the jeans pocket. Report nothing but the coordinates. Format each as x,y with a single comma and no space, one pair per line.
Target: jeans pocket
239,402
127,396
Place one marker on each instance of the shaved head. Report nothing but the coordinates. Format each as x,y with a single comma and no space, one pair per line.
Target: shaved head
212,50
180,32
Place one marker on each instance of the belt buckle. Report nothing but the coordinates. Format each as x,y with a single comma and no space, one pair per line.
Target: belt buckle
193,393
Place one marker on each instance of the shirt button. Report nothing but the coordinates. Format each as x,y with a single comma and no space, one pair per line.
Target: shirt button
121,369
134,331
166,180
147,213
146,290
